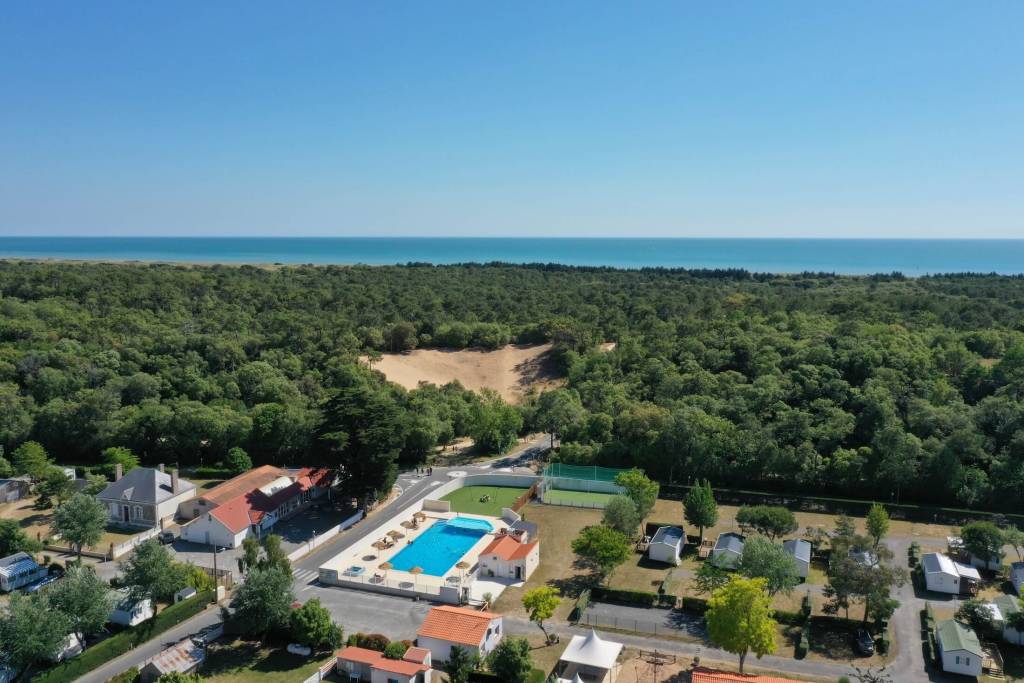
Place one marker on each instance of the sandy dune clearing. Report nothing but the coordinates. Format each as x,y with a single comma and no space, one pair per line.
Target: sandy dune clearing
510,370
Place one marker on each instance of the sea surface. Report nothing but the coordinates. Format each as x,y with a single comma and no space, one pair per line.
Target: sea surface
847,256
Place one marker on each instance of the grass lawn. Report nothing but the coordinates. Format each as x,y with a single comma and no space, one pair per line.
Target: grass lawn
241,660
468,499
577,498
558,567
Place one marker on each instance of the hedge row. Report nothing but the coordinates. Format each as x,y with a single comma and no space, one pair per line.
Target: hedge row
116,645
638,598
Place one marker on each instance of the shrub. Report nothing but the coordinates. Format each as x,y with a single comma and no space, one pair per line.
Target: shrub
694,605
370,641
129,676
395,650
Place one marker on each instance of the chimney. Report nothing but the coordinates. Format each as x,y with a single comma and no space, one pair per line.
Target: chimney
118,472
160,467
174,481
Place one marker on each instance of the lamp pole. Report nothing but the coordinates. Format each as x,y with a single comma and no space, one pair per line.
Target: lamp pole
216,575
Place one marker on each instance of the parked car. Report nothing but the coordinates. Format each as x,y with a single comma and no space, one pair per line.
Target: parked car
43,583
301,650
166,537
208,634
865,643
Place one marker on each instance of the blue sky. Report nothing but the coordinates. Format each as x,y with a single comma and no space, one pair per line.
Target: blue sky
828,119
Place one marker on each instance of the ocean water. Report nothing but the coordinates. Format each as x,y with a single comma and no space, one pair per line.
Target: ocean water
847,256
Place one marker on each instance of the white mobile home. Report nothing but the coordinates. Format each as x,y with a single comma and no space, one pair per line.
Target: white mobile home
800,551
728,550
943,575
1007,606
1017,577
128,612
959,648
19,570
667,545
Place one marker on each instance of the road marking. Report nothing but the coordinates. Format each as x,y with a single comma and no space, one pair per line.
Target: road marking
305,575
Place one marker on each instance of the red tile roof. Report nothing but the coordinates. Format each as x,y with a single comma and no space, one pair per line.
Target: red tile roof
702,675
456,625
243,483
508,548
416,654
252,505
378,661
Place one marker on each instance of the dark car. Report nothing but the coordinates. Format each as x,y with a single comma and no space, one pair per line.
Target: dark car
865,643
166,537
38,585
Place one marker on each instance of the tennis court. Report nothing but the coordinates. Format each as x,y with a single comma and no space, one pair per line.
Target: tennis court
580,499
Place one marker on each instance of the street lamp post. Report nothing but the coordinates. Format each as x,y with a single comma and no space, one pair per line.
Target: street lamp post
216,575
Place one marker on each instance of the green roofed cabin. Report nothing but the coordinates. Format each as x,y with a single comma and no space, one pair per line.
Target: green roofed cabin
959,648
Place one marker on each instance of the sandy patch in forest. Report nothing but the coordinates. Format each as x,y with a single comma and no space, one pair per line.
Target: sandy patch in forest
511,370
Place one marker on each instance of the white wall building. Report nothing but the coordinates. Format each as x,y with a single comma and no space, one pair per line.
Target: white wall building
128,612
667,545
145,497
959,648
943,575
510,556
1017,577
800,551
19,570
445,627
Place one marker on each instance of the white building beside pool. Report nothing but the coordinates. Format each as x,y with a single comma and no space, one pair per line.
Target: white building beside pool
510,556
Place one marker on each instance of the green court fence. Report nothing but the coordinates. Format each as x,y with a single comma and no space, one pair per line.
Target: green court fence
559,470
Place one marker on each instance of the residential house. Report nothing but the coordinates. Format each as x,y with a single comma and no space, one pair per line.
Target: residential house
800,551
959,648
145,497
589,658
19,570
667,545
943,575
728,550
128,612
360,664
1017,577
510,556
250,504
1005,607
446,627
184,657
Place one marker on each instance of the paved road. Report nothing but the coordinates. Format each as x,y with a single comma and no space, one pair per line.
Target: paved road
356,610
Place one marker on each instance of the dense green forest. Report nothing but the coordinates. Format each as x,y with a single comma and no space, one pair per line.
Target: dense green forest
879,387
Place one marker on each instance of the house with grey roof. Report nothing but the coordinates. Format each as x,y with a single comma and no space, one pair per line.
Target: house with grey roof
146,496
667,545
959,648
800,551
1017,577
728,550
19,570
1003,609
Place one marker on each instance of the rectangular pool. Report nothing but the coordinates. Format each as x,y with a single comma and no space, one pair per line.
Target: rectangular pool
441,546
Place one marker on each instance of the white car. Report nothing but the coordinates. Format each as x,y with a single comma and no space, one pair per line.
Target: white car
301,650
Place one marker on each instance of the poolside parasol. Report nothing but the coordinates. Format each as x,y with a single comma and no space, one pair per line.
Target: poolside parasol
385,566
407,524
379,545
462,567
415,571
396,535
419,515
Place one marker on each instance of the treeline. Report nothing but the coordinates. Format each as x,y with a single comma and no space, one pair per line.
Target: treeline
881,387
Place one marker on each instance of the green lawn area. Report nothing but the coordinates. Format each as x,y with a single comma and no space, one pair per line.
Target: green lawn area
467,499
577,498
242,660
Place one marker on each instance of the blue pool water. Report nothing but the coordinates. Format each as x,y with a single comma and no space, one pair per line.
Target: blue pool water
438,548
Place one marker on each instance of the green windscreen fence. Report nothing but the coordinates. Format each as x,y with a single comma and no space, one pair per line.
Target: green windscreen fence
558,470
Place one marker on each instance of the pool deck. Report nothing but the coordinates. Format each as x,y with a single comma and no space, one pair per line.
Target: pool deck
447,588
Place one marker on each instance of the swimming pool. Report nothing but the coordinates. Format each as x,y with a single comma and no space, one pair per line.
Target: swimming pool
438,548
